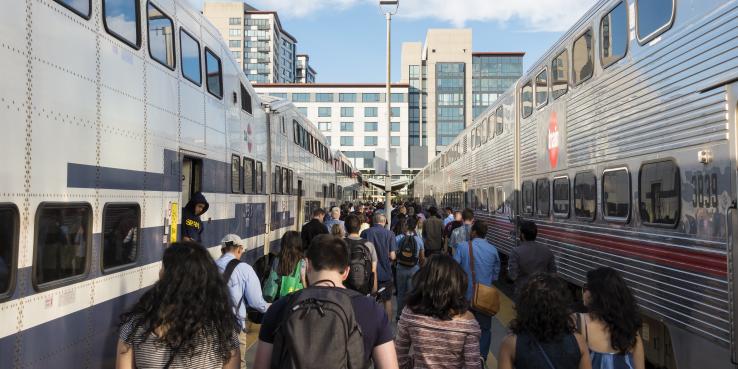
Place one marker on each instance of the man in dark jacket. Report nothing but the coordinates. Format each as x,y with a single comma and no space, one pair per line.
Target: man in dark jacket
433,233
191,223
529,258
314,227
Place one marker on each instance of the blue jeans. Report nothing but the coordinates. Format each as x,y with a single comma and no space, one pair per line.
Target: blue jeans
404,285
485,323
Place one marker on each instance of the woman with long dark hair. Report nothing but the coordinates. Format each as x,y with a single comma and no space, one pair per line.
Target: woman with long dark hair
185,320
288,271
437,311
543,334
611,326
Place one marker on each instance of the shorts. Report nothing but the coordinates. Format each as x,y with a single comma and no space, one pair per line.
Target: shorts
385,295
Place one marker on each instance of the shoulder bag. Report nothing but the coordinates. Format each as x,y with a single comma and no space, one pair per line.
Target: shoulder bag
486,299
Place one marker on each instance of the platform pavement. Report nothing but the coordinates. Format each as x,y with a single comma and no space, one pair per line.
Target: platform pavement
499,330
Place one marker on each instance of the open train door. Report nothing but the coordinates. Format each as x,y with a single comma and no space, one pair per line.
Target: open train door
300,208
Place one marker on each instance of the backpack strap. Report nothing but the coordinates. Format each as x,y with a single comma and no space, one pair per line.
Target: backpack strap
227,277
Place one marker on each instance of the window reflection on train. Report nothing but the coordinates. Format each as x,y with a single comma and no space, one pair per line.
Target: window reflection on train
62,242
120,235
8,234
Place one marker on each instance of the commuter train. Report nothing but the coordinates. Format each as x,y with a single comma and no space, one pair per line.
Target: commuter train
621,143
114,113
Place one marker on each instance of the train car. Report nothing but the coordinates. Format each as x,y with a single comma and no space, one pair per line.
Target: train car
620,143
349,181
115,113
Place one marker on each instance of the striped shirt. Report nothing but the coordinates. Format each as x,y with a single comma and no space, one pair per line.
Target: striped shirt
437,344
152,353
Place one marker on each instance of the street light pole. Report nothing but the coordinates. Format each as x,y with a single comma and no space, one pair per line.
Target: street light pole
387,5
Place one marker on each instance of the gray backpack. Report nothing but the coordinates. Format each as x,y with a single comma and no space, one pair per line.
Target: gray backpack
318,330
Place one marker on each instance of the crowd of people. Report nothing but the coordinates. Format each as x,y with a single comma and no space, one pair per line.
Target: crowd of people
326,300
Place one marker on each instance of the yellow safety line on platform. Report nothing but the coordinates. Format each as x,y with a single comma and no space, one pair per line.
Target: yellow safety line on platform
253,335
507,311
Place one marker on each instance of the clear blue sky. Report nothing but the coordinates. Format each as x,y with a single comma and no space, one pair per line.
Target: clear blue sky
346,38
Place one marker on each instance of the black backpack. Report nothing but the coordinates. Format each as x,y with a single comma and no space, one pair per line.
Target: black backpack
407,254
360,276
318,330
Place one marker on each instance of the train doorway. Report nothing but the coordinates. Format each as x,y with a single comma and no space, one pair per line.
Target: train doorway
191,178
300,211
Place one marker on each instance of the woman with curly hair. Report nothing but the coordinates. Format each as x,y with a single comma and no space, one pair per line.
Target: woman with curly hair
543,334
437,311
185,320
611,326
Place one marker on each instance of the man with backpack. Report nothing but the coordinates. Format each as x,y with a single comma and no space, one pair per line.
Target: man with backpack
410,255
385,246
326,325
362,259
243,284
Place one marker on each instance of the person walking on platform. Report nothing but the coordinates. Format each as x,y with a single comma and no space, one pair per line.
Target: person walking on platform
385,245
192,226
243,284
306,330
486,268
449,216
410,255
543,333
437,312
433,233
314,227
288,269
530,257
185,320
461,234
362,259
610,328
335,219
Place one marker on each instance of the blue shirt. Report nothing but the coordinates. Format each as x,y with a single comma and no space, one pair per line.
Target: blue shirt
486,263
384,242
329,224
447,220
244,284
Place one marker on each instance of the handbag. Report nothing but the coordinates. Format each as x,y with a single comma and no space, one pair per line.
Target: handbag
291,283
486,299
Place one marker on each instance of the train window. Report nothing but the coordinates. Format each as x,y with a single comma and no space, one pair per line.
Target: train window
499,121
659,193
582,59
614,35
561,202
500,199
296,131
214,75
249,179
585,196
485,199
8,247
542,89
63,238
528,197
81,7
161,36
277,186
246,100
259,177
527,99
616,194
653,17
121,235
285,181
121,19
543,197
189,53
235,174
560,75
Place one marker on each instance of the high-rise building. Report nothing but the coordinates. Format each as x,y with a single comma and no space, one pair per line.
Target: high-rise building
305,73
257,40
449,85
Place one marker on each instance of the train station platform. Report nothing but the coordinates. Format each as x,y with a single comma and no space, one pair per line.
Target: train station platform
500,323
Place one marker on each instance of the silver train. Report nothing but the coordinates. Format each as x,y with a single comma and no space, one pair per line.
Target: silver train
621,143
114,113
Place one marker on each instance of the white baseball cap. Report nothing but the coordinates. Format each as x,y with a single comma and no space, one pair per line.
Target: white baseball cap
231,239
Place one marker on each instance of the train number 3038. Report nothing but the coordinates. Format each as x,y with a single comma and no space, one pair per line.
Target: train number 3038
705,191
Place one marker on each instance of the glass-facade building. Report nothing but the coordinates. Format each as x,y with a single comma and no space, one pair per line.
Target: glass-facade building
492,74
450,101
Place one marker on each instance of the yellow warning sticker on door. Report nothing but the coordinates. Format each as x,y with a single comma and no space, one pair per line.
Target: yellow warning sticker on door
173,222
